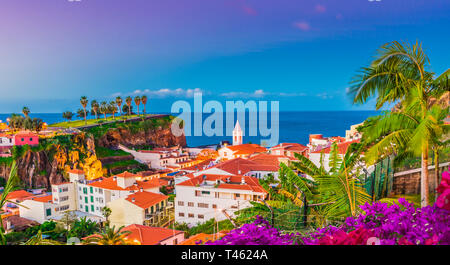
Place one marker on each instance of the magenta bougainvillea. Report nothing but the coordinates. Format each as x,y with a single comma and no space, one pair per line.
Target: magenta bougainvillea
379,223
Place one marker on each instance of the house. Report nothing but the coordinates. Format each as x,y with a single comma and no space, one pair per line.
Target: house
23,138
206,196
246,167
353,133
289,149
240,151
17,224
145,235
6,140
17,196
146,208
342,149
38,208
318,142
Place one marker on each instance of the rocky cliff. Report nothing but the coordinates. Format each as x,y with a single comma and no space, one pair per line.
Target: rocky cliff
159,137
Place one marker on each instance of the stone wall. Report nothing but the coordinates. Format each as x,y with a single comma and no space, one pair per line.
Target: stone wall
408,182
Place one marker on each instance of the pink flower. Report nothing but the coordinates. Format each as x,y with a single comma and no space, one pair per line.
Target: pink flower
443,200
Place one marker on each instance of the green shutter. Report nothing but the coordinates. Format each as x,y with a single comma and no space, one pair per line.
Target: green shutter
92,198
48,212
92,190
86,208
92,208
86,199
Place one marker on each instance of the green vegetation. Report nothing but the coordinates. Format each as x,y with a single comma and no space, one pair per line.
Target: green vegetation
18,122
106,152
123,163
6,161
401,74
209,227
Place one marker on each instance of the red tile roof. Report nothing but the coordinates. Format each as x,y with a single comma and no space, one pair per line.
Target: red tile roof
76,171
239,166
46,199
251,183
243,149
126,174
199,166
19,195
147,235
342,147
146,199
111,184
290,147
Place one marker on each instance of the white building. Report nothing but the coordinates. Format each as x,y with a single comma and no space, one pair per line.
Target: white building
325,152
237,134
39,209
213,196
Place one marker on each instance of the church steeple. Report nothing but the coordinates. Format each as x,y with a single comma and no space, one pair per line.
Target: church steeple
237,134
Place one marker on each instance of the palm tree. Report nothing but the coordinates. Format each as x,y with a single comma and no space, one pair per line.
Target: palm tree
25,111
119,104
144,101
38,239
112,108
84,101
400,73
68,115
110,236
334,193
9,187
104,108
106,211
95,107
128,100
137,101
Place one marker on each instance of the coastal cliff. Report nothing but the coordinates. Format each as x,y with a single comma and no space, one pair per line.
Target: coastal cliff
44,165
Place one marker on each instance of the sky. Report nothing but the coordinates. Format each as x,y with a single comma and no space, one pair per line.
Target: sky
302,53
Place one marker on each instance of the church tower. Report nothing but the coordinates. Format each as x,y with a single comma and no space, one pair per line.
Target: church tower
237,134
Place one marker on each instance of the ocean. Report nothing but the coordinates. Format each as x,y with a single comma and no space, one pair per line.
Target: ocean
294,126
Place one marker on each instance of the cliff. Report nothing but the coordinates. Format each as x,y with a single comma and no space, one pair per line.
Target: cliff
160,137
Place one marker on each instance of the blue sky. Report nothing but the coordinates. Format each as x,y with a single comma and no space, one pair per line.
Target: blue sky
301,53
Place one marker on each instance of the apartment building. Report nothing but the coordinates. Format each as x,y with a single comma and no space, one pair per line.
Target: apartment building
214,196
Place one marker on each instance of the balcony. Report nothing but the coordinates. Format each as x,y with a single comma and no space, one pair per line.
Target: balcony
160,218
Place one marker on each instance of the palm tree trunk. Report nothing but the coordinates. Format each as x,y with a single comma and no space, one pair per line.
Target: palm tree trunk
436,171
85,122
424,191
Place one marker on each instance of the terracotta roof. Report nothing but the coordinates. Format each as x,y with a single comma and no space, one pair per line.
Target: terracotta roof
240,166
199,165
342,147
246,148
147,235
251,183
26,134
146,199
126,174
19,195
76,171
203,238
18,222
111,184
46,198
290,147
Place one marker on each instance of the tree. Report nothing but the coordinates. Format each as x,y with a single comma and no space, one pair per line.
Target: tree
106,213
84,101
38,239
137,101
110,236
144,102
25,111
83,228
68,115
95,107
9,187
38,124
80,113
104,108
119,104
112,107
128,100
400,73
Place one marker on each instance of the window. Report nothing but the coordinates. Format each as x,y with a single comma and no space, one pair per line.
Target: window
86,208
214,206
91,190
175,241
100,191
85,199
206,192
31,139
191,215
202,205
200,216
85,190
180,203
190,204
63,208
92,208
237,195
48,212
92,198
181,214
